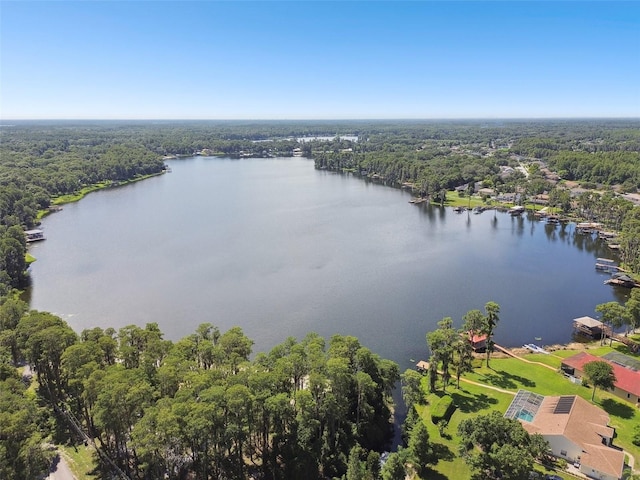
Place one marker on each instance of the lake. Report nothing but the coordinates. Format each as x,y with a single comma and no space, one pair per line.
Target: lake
282,249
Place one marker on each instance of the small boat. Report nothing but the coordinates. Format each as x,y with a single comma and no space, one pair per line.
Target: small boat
535,348
517,210
458,209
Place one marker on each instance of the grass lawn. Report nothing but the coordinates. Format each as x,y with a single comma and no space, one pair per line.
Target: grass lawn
470,400
512,374
455,200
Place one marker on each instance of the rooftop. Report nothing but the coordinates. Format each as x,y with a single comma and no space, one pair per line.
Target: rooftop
577,420
588,322
626,378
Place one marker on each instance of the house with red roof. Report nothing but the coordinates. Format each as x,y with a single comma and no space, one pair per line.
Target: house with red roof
627,385
478,341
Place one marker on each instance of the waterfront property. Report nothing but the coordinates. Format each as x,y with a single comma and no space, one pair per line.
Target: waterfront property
576,430
627,384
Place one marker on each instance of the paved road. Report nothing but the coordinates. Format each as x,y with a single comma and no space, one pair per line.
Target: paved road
61,471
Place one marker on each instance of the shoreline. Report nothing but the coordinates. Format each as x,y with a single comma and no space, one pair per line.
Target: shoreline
570,346
72,198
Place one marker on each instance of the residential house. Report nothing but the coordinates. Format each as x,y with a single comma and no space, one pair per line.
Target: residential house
576,430
627,384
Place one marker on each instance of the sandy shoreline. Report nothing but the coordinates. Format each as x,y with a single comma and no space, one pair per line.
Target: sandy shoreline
549,348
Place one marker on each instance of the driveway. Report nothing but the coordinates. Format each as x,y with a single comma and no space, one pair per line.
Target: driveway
60,470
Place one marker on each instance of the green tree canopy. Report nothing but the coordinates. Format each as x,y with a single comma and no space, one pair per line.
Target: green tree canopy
496,447
600,374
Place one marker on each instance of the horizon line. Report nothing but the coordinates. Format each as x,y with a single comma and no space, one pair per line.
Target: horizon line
323,119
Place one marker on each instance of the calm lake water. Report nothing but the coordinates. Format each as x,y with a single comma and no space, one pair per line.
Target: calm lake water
281,249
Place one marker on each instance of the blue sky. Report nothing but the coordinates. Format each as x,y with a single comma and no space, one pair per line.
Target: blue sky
319,60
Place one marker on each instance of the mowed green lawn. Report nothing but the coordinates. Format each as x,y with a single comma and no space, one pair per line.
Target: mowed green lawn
470,400
512,374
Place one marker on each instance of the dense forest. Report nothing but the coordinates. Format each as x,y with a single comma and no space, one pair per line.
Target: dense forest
201,407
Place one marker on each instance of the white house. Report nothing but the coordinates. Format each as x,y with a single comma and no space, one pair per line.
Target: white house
575,429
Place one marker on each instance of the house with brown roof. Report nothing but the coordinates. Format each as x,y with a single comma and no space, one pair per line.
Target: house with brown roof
627,385
575,429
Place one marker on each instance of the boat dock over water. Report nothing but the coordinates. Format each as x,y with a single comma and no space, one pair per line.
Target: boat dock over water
607,265
516,211
588,227
34,235
422,366
621,279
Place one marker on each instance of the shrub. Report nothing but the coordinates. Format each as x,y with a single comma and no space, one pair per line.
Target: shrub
636,436
442,410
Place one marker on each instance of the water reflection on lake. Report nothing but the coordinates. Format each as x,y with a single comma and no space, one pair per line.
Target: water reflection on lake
281,249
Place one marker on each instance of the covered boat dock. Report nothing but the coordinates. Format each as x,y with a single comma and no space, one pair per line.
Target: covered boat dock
34,235
590,327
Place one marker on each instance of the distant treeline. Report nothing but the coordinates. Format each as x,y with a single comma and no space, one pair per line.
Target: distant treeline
450,154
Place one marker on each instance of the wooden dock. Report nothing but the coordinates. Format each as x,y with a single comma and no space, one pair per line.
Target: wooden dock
422,366
630,344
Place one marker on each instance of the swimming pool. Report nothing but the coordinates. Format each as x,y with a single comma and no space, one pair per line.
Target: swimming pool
525,415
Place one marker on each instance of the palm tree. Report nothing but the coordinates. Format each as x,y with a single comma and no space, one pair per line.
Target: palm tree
462,355
492,310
